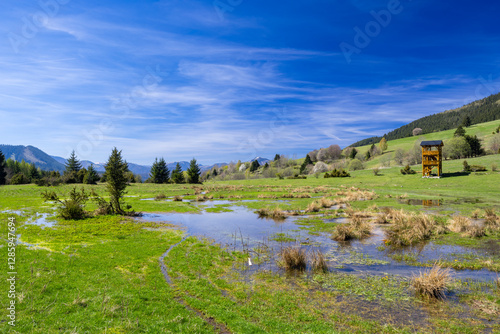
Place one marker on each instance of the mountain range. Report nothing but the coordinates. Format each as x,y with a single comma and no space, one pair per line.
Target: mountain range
44,161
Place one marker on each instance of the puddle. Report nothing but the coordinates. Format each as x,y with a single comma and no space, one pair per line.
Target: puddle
423,202
242,229
41,220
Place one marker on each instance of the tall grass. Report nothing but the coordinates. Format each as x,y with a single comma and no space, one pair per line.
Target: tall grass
275,213
410,228
432,283
293,258
318,262
356,228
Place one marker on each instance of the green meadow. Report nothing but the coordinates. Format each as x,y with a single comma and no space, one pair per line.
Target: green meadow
104,274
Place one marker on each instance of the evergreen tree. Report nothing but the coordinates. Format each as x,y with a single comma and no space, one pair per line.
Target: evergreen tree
266,165
276,157
159,171
368,155
33,173
307,161
214,171
466,122
91,177
459,132
353,153
475,145
254,166
116,178
177,175
73,164
383,144
3,172
193,172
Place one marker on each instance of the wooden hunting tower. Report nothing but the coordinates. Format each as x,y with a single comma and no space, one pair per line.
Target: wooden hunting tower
432,157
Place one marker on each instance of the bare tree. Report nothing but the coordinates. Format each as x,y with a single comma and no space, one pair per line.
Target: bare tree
417,131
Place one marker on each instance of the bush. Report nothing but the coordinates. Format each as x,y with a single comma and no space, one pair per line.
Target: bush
355,164
407,170
19,178
478,168
376,171
48,181
337,173
72,208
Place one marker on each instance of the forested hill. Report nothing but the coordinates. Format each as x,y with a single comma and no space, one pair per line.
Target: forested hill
480,111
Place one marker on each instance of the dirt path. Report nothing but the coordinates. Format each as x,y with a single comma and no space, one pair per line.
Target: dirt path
218,327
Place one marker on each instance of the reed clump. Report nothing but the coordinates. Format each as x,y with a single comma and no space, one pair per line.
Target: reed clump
410,228
275,213
293,258
177,198
356,228
318,262
432,284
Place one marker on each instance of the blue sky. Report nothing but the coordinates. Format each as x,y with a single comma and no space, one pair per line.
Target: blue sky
233,79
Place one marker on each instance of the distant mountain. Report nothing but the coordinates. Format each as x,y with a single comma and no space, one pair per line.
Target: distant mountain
480,111
262,161
32,155
46,162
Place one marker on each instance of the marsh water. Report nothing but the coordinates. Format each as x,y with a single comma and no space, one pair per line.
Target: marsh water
242,229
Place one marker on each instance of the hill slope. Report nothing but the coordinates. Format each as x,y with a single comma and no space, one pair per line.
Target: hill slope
480,111
32,155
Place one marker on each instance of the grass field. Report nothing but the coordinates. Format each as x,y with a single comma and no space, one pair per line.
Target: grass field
104,274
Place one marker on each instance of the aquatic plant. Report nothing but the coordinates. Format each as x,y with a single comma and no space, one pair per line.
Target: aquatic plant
409,229
318,262
357,228
293,258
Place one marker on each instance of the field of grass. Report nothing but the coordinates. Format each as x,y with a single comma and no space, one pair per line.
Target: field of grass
104,274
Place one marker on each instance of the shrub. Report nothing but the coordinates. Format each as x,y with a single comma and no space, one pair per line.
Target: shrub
355,164
494,167
376,171
407,170
19,178
72,208
293,258
432,284
337,173
478,168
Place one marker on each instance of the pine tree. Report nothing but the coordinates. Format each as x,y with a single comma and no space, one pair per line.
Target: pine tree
466,122
116,169
3,172
459,132
254,166
353,153
159,171
368,155
193,172
73,164
383,144
91,177
307,161
177,175
33,173
276,157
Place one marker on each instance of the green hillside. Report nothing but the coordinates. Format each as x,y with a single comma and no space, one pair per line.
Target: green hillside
483,132
480,111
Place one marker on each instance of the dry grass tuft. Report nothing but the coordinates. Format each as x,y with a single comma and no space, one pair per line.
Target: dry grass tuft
160,197
201,198
409,229
313,207
318,262
275,213
326,203
460,224
293,258
177,198
357,228
475,231
476,214
432,284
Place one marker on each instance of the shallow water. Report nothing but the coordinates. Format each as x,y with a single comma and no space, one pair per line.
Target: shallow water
242,229
41,220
